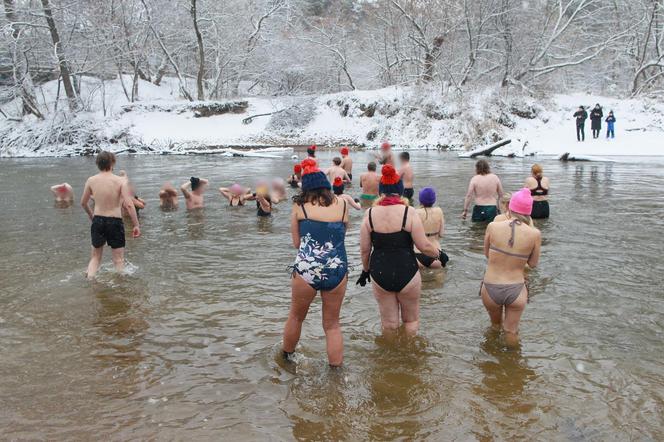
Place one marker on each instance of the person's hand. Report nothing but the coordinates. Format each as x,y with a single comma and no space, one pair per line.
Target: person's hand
136,232
464,215
364,277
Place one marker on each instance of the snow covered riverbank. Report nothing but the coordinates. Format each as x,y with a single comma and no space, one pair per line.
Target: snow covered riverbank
413,118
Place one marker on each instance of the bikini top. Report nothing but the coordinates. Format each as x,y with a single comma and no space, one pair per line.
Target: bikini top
513,225
239,202
394,240
539,190
430,234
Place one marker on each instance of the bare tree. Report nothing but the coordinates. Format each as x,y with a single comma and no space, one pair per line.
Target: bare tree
200,92
63,65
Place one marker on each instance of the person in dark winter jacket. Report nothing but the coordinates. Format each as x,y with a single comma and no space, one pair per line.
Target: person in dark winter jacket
610,122
596,120
581,116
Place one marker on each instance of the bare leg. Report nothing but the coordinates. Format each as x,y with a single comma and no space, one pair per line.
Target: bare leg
301,296
332,301
118,259
494,310
389,310
409,299
513,314
95,262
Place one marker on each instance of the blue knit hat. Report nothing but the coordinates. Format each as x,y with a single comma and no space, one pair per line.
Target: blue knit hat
390,181
427,196
312,177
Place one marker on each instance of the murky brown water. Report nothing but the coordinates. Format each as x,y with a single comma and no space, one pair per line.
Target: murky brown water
185,347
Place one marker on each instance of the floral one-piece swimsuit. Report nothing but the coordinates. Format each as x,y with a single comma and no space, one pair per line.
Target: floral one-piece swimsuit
321,260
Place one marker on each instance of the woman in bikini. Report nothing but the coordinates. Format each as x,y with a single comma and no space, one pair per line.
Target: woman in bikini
388,232
509,245
538,185
318,229
236,194
433,221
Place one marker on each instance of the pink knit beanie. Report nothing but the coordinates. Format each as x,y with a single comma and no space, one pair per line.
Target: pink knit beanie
522,202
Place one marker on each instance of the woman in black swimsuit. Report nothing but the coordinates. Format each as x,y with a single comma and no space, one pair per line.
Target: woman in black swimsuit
388,233
236,195
538,185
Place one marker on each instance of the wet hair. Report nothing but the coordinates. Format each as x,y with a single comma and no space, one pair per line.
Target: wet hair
105,160
482,167
338,190
525,219
404,156
537,171
505,202
195,183
371,166
320,197
311,152
337,161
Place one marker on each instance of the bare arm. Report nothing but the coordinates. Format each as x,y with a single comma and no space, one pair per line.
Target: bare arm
419,237
468,199
53,189
352,202
499,189
487,241
346,177
85,199
185,189
295,228
129,203
365,242
442,223
535,254
225,193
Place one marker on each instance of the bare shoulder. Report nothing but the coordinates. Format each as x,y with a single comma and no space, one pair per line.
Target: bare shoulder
531,180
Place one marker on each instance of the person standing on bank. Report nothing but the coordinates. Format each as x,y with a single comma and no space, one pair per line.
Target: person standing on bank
486,190
388,232
610,125
596,116
318,229
581,116
538,185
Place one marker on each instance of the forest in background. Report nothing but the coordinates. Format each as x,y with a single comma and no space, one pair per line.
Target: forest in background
225,49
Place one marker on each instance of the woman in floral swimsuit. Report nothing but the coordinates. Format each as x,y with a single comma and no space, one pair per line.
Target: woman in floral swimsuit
318,227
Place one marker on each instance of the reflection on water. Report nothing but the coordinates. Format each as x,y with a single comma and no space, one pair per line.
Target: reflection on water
185,344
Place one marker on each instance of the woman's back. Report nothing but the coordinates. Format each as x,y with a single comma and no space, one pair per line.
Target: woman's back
335,212
539,187
433,221
390,219
510,245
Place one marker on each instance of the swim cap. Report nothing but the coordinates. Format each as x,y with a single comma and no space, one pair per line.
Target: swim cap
522,202
427,196
390,181
338,186
344,150
385,146
313,178
297,168
236,189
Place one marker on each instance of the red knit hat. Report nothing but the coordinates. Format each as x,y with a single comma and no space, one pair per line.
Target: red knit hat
386,145
390,181
308,166
338,182
344,150
297,168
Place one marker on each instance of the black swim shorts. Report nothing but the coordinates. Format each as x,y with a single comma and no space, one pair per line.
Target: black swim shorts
107,230
408,193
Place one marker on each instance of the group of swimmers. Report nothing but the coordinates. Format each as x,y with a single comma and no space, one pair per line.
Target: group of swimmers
396,240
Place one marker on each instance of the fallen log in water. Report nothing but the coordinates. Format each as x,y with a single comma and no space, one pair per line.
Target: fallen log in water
486,151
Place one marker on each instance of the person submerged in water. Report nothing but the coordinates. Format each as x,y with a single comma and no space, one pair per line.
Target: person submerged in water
236,194
110,193
278,191
336,171
385,156
407,176
485,188
338,189
311,154
433,221
504,214
539,189
347,162
139,203
509,245
193,192
168,197
369,182
294,179
389,231
263,199
318,229
63,194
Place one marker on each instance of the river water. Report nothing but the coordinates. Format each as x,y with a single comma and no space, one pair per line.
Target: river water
186,344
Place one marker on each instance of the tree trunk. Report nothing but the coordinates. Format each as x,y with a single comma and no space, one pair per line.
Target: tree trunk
430,59
200,92
65,73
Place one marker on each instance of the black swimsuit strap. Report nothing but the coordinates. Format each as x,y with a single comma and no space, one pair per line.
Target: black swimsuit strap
343,215
405,216
513,225
304,211
370,220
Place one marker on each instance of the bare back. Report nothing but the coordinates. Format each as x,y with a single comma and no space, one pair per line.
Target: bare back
433,221
531,183
337,172
347,164
369,182
106,189
505,268
486,189
407,176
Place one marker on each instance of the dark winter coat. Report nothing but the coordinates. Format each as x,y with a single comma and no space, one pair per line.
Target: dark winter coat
581,117
596,118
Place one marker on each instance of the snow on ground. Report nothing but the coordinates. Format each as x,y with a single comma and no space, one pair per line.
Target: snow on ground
409,117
